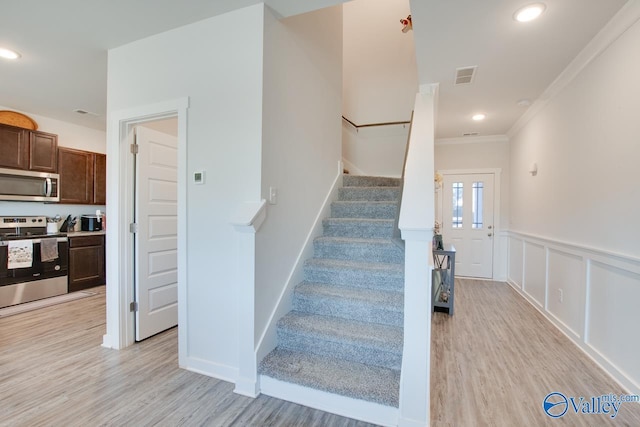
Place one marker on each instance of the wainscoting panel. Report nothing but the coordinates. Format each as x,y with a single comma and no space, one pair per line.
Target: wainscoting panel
590,295
535,267
515,266
566,290
614,316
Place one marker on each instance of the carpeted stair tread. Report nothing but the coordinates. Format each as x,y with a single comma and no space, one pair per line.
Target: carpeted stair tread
385,337
371,228
333,375
364,209
363,342
369,181
378,194
355,273
358,249
348,302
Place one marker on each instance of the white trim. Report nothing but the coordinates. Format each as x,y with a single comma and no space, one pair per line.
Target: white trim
120,321
472,140
627,16
588,256
268,339
345,406
213,370
497,202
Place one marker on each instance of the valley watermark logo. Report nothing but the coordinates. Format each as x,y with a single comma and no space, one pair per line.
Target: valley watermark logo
557,404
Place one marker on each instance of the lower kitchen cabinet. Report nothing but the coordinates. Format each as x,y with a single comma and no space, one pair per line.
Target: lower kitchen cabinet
86,262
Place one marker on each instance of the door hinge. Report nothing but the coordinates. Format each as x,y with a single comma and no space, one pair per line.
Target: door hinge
133,306
133,227
134,148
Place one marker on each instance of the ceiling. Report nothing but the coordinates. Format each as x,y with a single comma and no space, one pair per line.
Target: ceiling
64,47
515,60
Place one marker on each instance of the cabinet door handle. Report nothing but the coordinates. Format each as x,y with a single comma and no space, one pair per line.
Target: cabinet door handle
490,234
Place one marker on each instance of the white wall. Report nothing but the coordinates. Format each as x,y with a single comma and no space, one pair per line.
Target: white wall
380,81
69,135
375,151
574,236
301,141
217,64
380,76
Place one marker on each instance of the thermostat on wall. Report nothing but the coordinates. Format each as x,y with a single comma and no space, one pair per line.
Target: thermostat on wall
198,177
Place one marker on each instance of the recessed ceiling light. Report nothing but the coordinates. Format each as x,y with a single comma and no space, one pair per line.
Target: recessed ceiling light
529,12
8,53
478,117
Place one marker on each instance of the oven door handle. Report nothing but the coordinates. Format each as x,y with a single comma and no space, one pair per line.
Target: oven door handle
47,187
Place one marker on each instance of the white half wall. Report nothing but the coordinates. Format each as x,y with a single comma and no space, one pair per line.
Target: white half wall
218,66
301,143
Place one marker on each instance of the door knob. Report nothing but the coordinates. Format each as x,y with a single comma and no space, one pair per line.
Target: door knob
490,234
490,227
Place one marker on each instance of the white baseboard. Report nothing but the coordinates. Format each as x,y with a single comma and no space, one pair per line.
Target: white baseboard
345,406
213,370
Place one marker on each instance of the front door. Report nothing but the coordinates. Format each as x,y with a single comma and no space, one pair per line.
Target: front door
156,239
467,222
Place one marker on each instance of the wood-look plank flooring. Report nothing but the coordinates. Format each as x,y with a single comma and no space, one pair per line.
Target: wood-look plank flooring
494,361
492,364
53,372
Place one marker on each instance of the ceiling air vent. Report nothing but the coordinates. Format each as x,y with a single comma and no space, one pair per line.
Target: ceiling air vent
83,112
465,75
471,134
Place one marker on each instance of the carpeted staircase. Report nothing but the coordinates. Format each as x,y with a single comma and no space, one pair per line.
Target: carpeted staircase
344,334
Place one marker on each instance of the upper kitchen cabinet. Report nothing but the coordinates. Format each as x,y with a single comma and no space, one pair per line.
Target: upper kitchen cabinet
100,179
14,147
28,149
82,177
43,151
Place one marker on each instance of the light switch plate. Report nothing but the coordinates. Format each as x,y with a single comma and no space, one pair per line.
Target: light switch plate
198,177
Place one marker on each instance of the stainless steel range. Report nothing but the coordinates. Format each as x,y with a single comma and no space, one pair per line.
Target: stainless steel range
33,264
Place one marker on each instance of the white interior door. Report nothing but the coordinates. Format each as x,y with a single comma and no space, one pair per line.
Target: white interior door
156,241
467,222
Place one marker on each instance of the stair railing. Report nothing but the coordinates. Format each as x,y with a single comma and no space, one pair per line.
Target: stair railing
396,231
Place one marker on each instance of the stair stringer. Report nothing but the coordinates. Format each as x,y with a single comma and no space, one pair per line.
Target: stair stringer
269,340
357,409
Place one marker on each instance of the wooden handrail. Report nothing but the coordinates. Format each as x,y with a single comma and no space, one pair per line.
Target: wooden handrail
368,125
396,230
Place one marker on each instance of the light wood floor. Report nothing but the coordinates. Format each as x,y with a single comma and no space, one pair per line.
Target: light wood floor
53,372
496,358
492,365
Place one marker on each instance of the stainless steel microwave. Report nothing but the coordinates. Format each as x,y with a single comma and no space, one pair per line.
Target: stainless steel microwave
29,186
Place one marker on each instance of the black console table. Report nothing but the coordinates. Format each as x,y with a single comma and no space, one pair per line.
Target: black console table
444,263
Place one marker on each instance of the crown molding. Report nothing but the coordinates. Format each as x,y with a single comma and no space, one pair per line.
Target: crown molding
626,17
472,139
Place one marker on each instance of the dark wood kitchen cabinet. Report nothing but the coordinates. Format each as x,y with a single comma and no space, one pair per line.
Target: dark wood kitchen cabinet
86,262
43,151
82,176
28,149
99,179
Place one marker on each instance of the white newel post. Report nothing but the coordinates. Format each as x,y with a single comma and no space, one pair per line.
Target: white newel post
417,216
247,222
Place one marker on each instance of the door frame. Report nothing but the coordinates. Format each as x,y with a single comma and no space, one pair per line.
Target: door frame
497,175
120,250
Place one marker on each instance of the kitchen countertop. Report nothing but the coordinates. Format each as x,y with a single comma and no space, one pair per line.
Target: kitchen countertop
86,233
